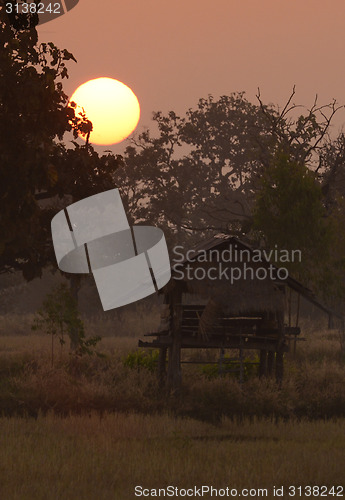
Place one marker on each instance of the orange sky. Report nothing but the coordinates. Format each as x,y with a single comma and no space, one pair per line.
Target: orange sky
173,53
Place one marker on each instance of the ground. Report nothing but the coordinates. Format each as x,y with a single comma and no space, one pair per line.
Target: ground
95,428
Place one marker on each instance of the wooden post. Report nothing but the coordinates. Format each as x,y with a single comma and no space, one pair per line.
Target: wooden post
220,362
174,378
280,351
298,308
270,363
241,362
294,346
279,367
263,363
297,321
162,366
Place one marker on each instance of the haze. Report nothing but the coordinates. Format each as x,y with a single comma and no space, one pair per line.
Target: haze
173,53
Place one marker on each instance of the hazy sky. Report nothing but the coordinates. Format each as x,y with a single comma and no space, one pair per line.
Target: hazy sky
173,53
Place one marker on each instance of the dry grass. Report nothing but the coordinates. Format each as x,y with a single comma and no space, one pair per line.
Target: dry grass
15,324
38,345
313,386
91,458
101,428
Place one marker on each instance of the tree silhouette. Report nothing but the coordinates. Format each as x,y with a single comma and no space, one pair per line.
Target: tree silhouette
202,171
37,171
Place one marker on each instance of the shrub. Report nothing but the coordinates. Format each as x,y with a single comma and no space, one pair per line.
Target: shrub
142,359
231,368
59,316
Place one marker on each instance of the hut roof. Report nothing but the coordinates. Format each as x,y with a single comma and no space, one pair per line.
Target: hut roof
220,241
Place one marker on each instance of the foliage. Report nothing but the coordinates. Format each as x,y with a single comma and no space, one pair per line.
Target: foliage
142,359
202,171
248,169
59,316
194,173
313,384
34,164
231,368
332,166
290,214
289,197
242,168
33,111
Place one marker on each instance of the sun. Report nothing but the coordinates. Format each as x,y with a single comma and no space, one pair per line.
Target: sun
111,106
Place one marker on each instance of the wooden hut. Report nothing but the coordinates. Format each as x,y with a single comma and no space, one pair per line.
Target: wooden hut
226,295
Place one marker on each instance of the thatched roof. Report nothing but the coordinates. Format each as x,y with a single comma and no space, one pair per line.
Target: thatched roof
241,295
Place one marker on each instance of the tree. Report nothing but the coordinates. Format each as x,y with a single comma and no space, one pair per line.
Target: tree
35,165
39,175
290,214
196,174
254,169
332,172
202,171
59,315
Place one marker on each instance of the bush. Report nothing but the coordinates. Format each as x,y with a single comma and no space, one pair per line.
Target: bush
142,359
231,369
58,317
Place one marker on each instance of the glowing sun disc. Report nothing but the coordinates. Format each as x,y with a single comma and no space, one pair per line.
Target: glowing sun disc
111,106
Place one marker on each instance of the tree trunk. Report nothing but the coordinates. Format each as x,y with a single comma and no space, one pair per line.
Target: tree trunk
73,331
174,378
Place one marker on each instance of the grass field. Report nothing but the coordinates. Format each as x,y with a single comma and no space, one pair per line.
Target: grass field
93,428
89,458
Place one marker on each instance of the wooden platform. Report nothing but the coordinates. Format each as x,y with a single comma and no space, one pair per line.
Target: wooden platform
227,332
